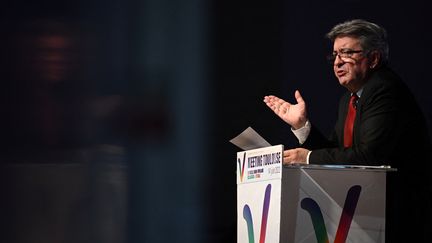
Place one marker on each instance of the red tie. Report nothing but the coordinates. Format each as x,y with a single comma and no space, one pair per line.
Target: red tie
349,121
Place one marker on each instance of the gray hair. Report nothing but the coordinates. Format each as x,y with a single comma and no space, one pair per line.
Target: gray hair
372,37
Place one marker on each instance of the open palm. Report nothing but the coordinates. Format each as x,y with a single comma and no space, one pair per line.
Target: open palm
293,114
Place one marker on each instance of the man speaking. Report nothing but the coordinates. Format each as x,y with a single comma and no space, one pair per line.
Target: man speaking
379,123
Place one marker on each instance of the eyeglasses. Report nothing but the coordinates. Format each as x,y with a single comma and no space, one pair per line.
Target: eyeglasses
343,54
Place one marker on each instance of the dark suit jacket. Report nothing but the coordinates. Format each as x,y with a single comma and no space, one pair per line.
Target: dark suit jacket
389,130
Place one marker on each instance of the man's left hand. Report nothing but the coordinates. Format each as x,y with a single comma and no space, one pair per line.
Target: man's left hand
297,155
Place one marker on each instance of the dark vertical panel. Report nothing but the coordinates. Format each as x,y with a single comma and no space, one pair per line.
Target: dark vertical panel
246,66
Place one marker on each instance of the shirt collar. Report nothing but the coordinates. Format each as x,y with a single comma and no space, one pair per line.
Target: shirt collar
359,93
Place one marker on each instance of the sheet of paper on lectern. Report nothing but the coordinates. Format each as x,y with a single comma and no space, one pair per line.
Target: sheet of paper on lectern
249,139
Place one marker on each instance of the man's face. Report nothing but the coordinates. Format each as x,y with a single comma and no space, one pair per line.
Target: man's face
351,64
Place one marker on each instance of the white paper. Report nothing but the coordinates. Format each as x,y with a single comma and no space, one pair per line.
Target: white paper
249,139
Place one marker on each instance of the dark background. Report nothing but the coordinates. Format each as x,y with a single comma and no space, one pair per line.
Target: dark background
116,115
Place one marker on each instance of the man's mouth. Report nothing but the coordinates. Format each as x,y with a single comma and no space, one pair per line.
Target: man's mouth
341,73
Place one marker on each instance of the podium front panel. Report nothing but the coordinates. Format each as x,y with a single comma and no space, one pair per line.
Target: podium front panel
333,205
259,176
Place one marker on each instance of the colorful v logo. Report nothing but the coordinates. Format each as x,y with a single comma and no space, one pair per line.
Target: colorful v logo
241,167
314,210
248,217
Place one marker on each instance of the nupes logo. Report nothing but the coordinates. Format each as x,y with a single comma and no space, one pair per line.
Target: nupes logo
242,167
248,217
314,211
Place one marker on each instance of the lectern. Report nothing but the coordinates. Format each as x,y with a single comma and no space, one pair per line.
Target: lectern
308,203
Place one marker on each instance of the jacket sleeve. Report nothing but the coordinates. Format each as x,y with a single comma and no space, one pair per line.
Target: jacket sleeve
316,140
376,133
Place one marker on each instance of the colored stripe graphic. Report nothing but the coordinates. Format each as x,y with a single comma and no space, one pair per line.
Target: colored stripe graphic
264,217
347,214
345,220
241,168
314,211
247,215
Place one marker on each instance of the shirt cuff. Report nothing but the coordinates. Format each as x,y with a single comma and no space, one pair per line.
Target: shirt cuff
307,157
303,132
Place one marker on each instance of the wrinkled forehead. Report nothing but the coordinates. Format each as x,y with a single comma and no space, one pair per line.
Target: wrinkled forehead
346,42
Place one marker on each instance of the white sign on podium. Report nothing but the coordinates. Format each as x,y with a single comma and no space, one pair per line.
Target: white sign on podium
259,174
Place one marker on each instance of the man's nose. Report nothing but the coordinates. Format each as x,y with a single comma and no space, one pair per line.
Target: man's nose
338,61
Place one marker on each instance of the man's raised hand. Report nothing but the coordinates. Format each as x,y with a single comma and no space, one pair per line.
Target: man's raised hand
293,114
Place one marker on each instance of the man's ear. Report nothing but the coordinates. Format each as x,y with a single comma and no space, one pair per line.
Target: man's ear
374,59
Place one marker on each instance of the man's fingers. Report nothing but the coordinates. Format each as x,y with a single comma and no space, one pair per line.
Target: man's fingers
270,98
297,155
288,157
278,105
298,97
